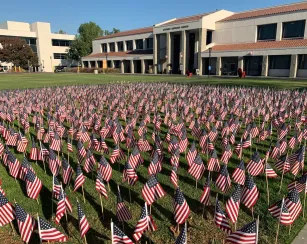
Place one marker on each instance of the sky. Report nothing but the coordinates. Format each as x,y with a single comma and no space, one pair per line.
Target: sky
122,14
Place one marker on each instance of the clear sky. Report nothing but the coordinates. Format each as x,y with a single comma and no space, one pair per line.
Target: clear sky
121,14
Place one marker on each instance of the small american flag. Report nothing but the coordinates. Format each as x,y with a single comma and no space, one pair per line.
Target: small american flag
135,159
129,174
118,236
83,223
48,233
105,169
220,218
67,171
182,238
25,222
80,178
197,168
6,211
181,207
223,181
56,187
122,212
238,175
250,193
233,204
247,235
205,197
279,210
33,185
100,186
142,225
173,177
152,190
293,203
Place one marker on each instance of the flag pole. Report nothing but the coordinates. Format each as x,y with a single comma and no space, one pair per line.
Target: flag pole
305,198
277,232
111,231
267,182
283,172
39,230
101,205
52,197
40,143
257,235
83,193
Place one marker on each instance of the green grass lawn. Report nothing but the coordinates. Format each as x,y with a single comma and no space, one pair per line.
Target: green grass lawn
15,81
200,230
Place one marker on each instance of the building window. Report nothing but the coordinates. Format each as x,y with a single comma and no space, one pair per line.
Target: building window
112,47
149,43
139,44
279,62
293,29
59,56
104,48
61,43
302,61
266,32
129,45
120,46
209,37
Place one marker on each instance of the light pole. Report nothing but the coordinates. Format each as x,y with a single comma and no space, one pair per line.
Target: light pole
209,67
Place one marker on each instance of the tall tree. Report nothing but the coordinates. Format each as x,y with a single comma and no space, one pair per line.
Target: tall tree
61,32
15,50
82,45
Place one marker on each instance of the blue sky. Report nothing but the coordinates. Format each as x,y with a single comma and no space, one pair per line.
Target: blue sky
121,14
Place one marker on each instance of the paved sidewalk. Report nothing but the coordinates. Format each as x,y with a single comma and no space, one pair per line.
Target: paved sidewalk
301,237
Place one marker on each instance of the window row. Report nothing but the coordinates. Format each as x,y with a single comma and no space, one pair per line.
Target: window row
139,44
293,29
61,43
59,55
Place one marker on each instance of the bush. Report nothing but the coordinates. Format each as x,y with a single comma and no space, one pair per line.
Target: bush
91,70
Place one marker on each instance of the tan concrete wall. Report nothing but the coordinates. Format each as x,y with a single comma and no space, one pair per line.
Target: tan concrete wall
244,31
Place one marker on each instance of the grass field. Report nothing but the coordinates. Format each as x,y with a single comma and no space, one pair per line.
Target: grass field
15,81
200,230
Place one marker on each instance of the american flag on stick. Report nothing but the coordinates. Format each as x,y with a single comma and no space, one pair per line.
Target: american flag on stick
233,204
83,223
181,207
33,185
48,233
118,236
6,211
250,193
25,222
122,212
152,190
247,235
220,218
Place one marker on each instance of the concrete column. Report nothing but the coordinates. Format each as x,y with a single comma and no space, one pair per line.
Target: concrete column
144,44
155,54
82,64
240,63
131,66
112,64
183,51
96,64
201,46
279,31
168,50
143,66
219,66
116,47
293,66
133,45
122,66
125,46
108,47
89,64
305,33
265,66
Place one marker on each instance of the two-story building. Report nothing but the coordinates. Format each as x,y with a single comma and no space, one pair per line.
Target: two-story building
262,42
50,48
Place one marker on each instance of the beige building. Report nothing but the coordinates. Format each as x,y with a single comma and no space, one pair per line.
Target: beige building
51,48
262,42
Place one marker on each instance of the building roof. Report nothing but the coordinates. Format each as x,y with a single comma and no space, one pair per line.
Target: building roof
121,54
185,19
268,11
261,45
128,33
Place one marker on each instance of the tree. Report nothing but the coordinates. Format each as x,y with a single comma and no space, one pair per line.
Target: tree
15,50
61,32
82,45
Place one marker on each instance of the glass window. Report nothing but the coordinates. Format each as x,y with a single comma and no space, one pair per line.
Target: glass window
129,45
267,32
120,46
61,43
293,29
302,61
59,55
104,47
279,62
112,47
149,43
139,44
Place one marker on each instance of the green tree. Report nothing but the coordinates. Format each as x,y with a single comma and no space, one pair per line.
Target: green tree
61,32
15,50
113,31
82,45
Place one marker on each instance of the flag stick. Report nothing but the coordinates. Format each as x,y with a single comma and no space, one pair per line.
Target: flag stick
101,205
253,212
305,199
195,183
277,232
257,224
109,186
83,193
85,239
14,233
267,182
39,230
111,231
129,194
